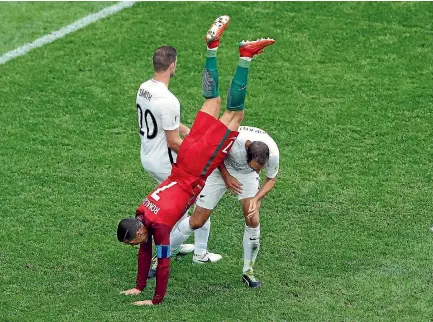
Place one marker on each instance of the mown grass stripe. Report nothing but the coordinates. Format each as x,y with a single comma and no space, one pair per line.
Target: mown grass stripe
49,38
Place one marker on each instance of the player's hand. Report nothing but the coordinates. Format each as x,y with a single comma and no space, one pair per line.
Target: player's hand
132,291
147,302
253,208
233,184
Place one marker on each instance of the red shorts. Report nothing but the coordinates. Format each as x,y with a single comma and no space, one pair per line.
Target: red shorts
205,147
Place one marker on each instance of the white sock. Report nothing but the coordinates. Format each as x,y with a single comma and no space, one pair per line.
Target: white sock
251,244
182,232
247,58
201,237
177,223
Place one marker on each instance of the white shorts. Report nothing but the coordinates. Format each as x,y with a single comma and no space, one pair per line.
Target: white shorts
215,188
158,176
158,171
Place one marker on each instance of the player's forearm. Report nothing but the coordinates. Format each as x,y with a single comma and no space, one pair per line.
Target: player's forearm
173,139
267,186
184,130
174,145
162,276
144,259
223,170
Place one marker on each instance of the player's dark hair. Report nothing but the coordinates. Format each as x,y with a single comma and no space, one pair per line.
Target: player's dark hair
258,151
127,229
163,57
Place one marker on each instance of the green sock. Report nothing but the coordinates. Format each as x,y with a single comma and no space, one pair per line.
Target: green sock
238,87
210,76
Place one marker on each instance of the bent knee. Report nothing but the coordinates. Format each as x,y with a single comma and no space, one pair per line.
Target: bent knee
252,222
199,217
236,121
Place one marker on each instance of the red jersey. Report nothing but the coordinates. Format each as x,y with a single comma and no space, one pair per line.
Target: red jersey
199,155
169,201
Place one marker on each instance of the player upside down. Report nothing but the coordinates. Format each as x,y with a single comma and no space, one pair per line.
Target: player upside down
200,153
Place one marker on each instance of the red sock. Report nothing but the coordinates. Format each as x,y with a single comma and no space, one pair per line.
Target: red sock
213,44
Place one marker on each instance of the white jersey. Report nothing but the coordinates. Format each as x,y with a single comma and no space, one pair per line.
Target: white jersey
158,110
237,158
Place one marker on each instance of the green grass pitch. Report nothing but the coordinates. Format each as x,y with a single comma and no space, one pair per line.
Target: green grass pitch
346,92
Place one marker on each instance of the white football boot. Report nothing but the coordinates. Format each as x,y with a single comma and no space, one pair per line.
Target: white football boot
206,258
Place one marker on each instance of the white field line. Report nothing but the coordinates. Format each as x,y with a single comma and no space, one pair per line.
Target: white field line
49,38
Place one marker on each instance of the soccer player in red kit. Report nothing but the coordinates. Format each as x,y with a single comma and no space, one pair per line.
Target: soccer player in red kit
201,152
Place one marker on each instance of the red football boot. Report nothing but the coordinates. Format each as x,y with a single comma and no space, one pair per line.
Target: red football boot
251,48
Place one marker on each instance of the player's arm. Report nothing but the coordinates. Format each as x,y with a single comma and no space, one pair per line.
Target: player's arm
163,268
170,116
267,186
271,177
173,139
144,261
161,233
231,182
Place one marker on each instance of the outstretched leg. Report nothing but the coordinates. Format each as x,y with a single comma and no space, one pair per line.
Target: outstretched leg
234,114
212,104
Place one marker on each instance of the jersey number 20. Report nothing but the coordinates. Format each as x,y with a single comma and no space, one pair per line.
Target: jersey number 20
144,116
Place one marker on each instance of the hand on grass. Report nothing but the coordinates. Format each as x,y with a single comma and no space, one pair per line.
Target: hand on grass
147,303
132,291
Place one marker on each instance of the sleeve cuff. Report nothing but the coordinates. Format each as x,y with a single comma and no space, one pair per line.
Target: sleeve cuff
272,177
171,128
156,302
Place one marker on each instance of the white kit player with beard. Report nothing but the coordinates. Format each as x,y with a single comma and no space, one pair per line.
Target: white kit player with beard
237,161
252,151
237,165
